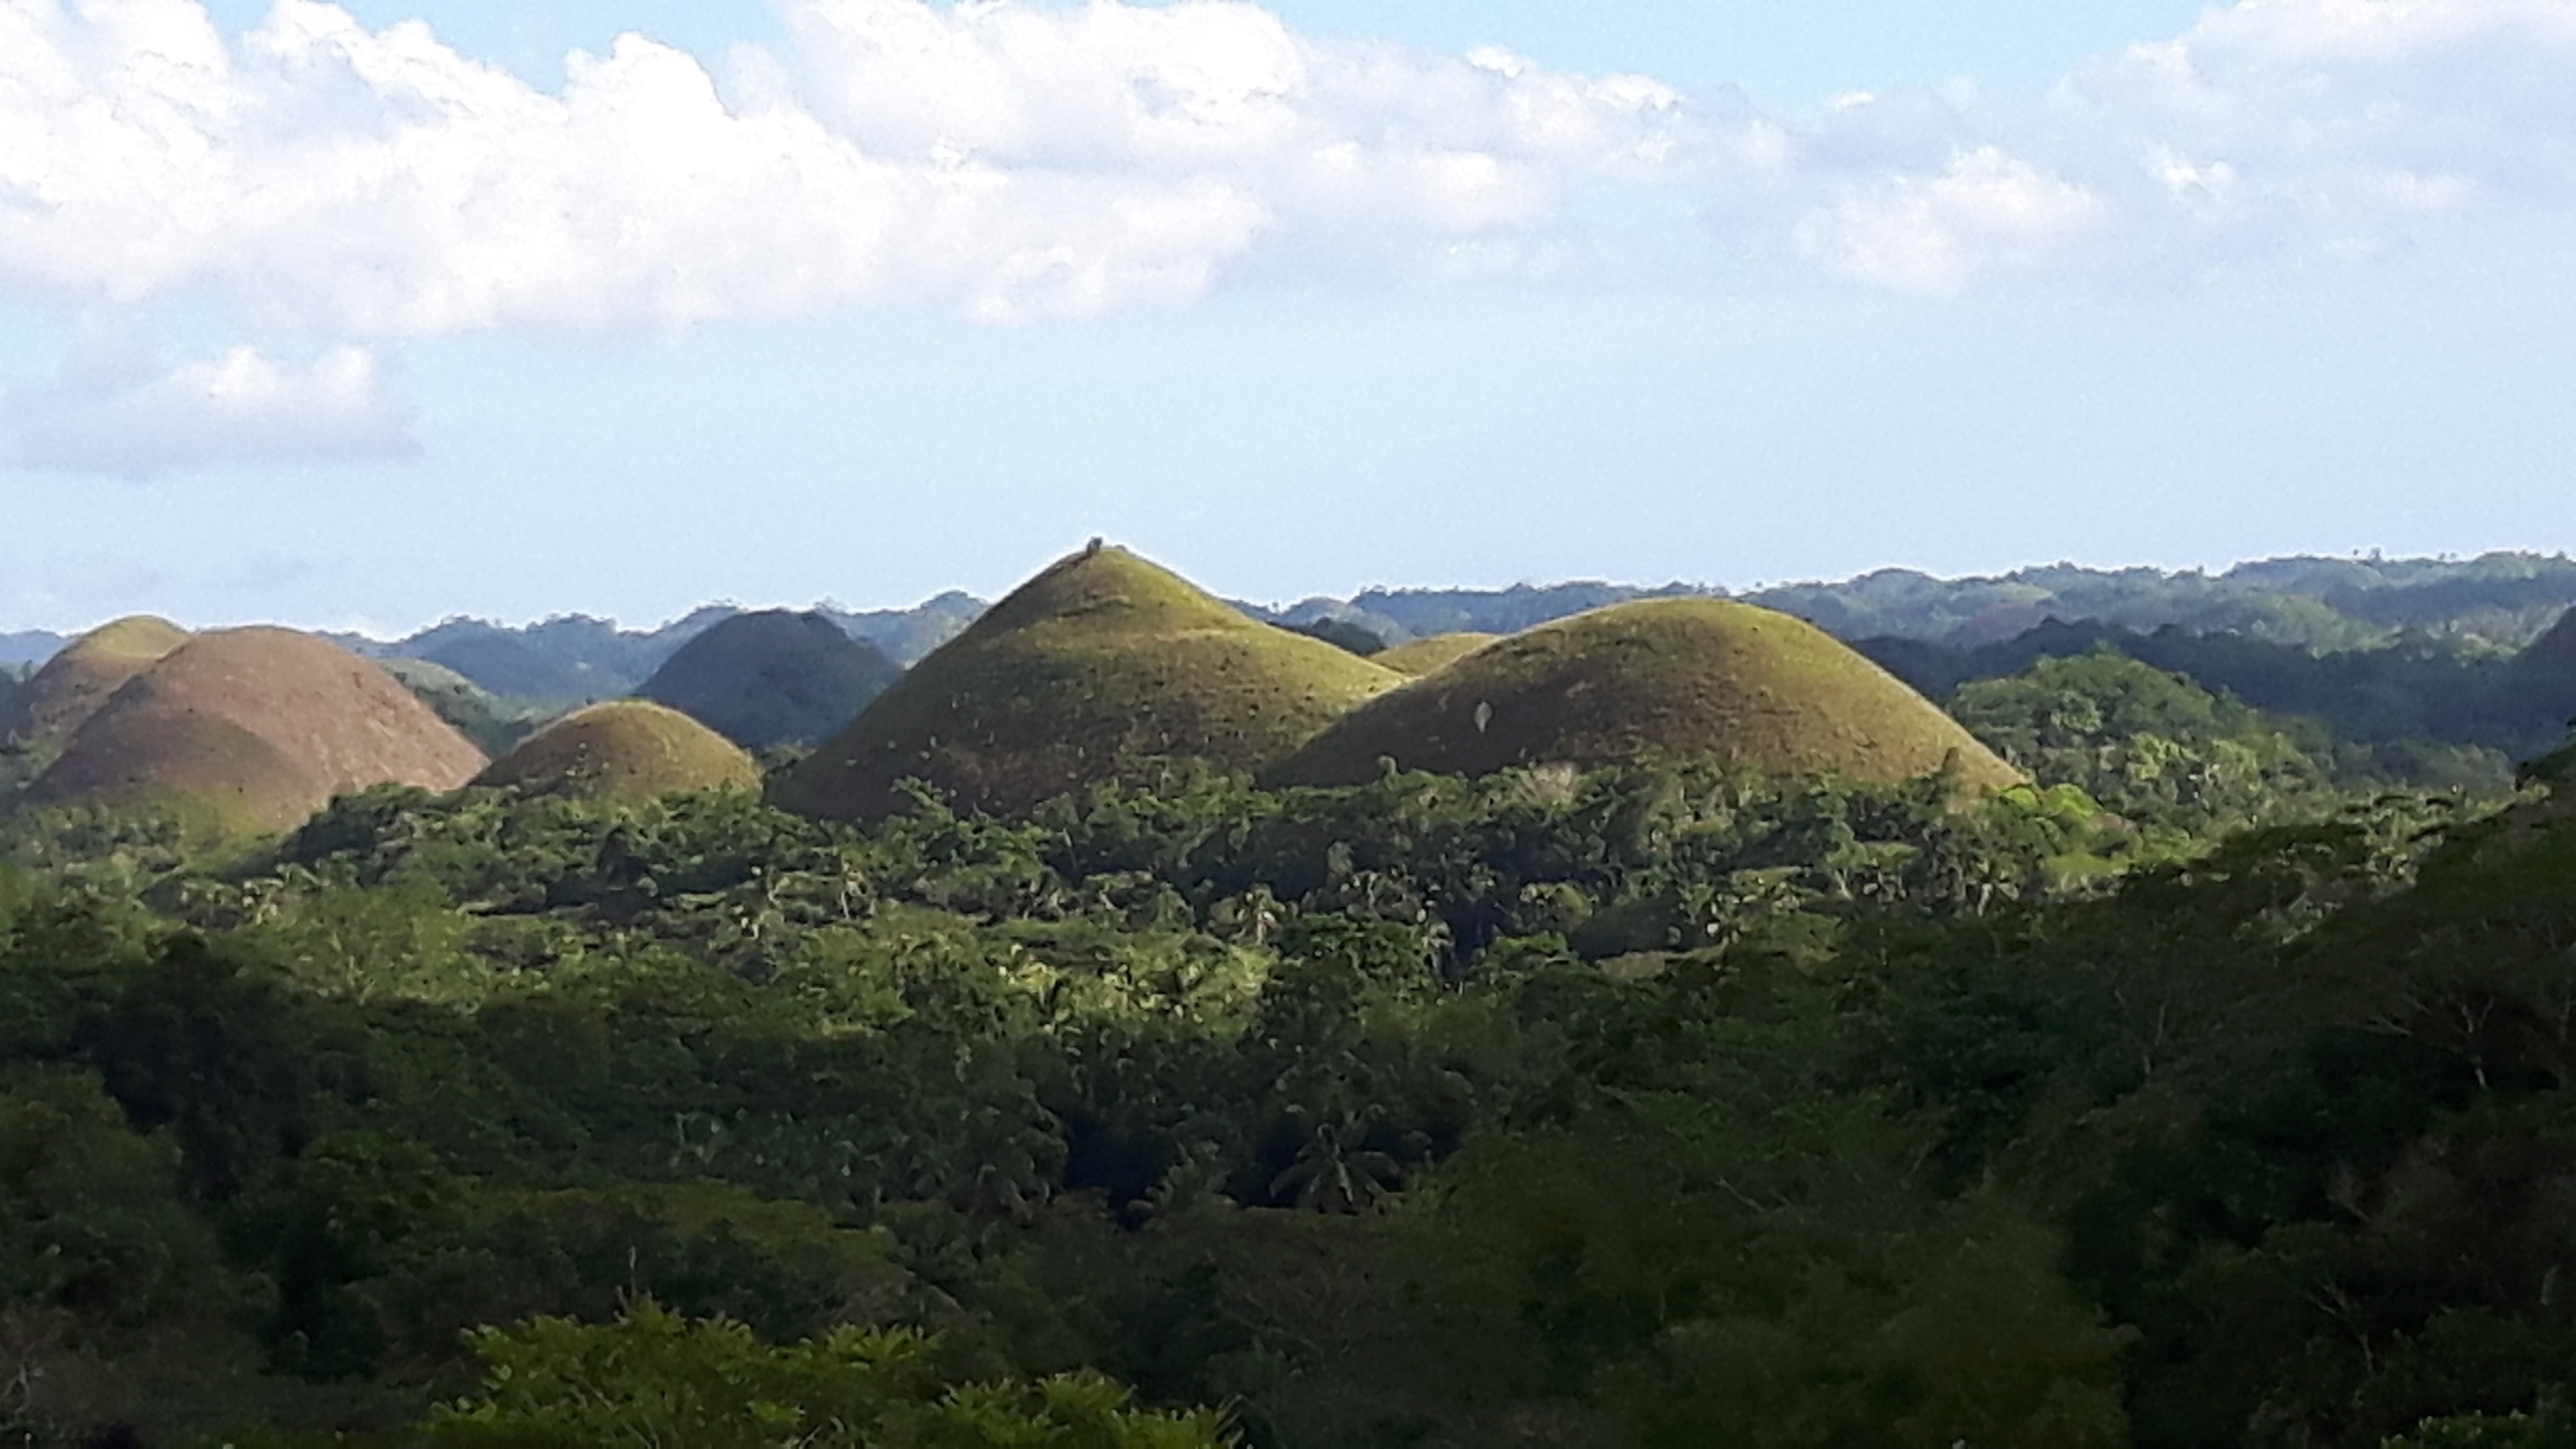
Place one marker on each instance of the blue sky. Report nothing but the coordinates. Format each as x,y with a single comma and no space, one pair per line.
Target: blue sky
369,315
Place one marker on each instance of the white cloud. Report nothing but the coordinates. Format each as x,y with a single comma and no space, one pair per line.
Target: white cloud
1984,212
999,158
1011,160
112,411
2272,131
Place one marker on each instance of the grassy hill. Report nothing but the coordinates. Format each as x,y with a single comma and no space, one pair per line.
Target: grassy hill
1668,679
77,681
1102,667
625,749
255,729
1417,657
775,677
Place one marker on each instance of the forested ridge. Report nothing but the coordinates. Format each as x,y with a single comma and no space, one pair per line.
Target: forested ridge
2212,1090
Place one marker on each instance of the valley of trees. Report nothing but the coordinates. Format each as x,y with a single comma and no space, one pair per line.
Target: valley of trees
2215,1087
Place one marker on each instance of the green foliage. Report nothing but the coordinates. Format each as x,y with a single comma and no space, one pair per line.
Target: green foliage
2151,746
654,1377
1651,1106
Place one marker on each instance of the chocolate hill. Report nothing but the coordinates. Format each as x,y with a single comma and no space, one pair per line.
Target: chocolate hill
1417,657
1670,680
77,681
774,677
1103,667
2543,677
624,750
255,729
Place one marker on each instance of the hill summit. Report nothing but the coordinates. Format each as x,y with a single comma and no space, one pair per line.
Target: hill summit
626,750
774,677
1433,652
1677,680
77,681
1102,667
255,729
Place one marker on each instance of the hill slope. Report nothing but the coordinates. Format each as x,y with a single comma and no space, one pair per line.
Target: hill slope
774,677
1417,657
625,749
1102,667
255,729
1668,679
77,681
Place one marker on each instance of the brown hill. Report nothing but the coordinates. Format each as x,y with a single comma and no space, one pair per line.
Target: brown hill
2554,652
1415,658
1103,667
75,682
625,749
1674,680
255,729
773,677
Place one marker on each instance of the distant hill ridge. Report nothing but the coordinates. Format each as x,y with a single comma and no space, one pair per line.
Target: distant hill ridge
2493,605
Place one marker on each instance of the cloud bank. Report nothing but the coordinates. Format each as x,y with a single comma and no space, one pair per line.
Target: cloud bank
1004,160
339,187
113,411
1012,161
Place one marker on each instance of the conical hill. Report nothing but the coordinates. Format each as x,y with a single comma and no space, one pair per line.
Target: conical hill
626,750
76,681
1103,667
1672,680
774,677
2553,654
255,729
1415,658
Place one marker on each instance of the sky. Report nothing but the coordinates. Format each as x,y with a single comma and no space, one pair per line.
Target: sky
367,315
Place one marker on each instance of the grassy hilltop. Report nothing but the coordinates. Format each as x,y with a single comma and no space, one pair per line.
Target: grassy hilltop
1417,657
1675,680
1102,667
76,682
625,749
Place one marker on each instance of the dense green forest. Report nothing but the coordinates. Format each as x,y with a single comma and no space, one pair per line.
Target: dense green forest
2212,1090
2165,1043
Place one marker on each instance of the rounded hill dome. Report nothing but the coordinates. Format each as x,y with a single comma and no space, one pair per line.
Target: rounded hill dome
625,749
1666,680
255,728
1102,667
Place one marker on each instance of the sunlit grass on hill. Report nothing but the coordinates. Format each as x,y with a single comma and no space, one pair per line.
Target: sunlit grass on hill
1102,667
1417,657
626,750
1677,680
77,681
